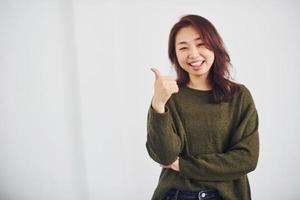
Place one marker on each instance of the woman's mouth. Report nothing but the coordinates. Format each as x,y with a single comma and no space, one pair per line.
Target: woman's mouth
197,64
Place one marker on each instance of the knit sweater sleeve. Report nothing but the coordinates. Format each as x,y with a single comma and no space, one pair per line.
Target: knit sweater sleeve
163,143
238,160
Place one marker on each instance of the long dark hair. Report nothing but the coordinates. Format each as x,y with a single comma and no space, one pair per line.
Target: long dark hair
219,76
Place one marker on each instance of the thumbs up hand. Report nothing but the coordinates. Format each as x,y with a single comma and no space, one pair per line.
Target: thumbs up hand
164,87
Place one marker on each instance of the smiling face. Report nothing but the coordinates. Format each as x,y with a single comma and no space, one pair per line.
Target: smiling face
192,55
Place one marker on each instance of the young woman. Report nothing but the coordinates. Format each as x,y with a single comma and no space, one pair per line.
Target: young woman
202,127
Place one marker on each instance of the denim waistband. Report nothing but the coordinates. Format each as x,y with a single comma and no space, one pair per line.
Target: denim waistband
201,195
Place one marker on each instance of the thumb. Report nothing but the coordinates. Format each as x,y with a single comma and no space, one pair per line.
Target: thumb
156,72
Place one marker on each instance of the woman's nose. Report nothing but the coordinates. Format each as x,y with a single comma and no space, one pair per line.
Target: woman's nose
193,52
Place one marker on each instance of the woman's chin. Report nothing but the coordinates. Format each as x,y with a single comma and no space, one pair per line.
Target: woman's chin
200,72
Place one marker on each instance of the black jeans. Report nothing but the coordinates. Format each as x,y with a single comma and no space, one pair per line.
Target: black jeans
175,194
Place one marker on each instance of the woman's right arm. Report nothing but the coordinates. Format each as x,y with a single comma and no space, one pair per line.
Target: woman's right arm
163,144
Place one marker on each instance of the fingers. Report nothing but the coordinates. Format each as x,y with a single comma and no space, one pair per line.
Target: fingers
170,83
171,86
165,166
173,89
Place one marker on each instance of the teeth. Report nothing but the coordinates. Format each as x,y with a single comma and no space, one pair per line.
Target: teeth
197,63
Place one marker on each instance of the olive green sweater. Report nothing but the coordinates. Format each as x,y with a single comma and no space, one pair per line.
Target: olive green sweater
217,144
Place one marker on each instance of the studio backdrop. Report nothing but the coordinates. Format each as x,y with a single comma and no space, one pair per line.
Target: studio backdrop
76,85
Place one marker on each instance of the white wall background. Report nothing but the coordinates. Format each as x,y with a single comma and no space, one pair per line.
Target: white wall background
75,86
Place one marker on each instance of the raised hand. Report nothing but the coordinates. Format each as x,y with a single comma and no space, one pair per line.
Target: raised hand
164,87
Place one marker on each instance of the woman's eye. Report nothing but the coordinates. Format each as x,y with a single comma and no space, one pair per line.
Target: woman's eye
199,45
183,48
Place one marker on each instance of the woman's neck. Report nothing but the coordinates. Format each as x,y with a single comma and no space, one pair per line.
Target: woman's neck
199,83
